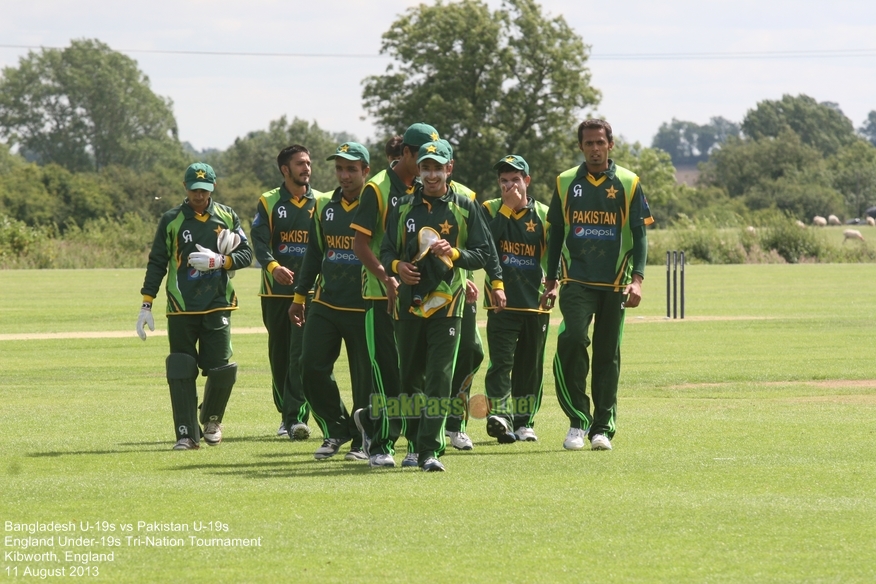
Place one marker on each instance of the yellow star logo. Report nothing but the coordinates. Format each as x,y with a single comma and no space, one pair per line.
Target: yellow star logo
611,191
201,174
445,227
530,225
509,159
312,209
434,136
343,148
431,148
218,230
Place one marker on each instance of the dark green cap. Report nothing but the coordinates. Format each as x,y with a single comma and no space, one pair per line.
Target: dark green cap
352,151
200,175
420,133
514,161
449,147
436,151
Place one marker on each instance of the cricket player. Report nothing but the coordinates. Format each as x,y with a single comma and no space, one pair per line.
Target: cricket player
197,245
379,197
279,234
432,237
337,312
517,334
598,215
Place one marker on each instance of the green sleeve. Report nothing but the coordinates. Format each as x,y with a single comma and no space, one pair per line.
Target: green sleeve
241,256
159,256
556,236
368,213
640,249
311,265
261,235
476,253
389,248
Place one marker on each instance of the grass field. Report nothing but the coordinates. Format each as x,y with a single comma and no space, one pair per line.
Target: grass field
744,452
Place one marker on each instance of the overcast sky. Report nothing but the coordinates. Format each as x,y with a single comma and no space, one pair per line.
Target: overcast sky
767,48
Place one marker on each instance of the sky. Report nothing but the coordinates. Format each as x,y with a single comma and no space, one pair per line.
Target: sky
652,61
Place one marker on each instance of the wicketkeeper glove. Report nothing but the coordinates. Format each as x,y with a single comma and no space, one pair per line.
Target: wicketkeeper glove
145,318
226,243
205,260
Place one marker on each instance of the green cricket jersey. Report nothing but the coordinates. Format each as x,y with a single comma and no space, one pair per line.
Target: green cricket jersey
592,218
493,269
379,197
279,235
521,241
188,290
455,218
330,256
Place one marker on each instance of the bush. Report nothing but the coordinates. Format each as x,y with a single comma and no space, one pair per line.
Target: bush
791,242
25,247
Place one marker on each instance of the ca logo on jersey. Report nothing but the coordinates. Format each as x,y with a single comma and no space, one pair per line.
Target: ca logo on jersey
577,191
411,225
281,212
183,431
225,320
330,215
187,236
393,201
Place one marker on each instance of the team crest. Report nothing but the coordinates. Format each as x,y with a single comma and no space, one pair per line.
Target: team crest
610,192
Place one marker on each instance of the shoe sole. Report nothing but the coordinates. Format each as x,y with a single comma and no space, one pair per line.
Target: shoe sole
434,468
390,464
196,447
410,464
496,429
599,448
355,457
366,443
300,433
575,447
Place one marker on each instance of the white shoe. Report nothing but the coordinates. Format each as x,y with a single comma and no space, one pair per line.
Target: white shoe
282,431
377,460
525,434
360,425
213,433
459,440
500,429
575,439
329,448
356,454
299,432
432,465
185,444
410,460
600,442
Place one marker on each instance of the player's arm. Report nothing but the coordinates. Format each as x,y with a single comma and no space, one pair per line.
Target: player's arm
156,269
391,257
241,255
364,224
476,252
640,247
555,240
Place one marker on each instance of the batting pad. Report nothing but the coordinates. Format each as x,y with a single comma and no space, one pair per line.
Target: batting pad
220,381
182,372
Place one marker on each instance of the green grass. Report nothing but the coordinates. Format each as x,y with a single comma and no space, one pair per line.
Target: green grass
743,453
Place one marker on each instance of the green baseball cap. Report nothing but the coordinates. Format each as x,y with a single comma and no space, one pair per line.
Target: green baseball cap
449,147
420,133
513,161
436,151
352,151
200,175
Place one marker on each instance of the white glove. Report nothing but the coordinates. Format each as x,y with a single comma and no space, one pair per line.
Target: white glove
206,260
227,242
145,318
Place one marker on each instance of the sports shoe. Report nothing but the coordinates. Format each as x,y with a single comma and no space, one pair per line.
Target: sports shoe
459,440
377,460
282,431
360,425
328,449
499,428
574,439
410,460
432,464
213,433
356,454
185,444
525,434
600,442
299,431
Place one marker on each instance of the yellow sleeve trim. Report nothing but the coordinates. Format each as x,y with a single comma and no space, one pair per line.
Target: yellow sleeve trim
454,254
497,285
299,298
360,229
506,210
148,299
395,266
270,267
228,263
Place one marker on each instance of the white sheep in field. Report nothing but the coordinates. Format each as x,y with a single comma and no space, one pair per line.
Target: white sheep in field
751,230
800,224
819,221
871,222
852,234
833,220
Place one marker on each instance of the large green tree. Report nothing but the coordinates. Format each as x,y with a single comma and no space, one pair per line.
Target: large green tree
689,143
868,130
820,125
497,82
86,107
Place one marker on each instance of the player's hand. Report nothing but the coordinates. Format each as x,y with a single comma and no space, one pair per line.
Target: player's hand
391,293
283,276
499,300
226,243
145,318
549,298
408,273
471,292
633,292
296,314
442,247
512,197
206,260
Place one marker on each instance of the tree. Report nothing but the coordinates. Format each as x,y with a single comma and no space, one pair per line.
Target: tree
492,83
255,155
689,143
86,107
656,172
868,130
853,169
820,125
